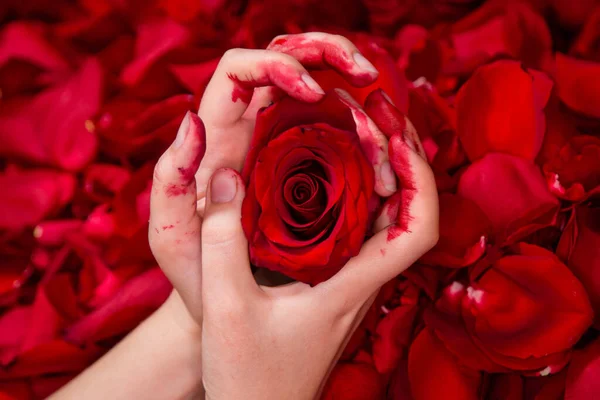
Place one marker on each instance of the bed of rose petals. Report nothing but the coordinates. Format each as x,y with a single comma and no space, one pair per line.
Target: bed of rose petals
505,96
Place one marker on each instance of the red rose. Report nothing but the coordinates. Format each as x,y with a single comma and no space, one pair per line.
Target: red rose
579,248
575,170
308,203
521,95
524,312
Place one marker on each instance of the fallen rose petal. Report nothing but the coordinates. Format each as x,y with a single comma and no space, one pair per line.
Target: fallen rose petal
427,358
577,84
103,181
582,375
498,30
572,15
53,126
132,128
464,233
27,60
13,327
54,233
154,39
560,128
511,192
533,296
519,129
136,300
53,357
506,386
195,77
575,171
579,247
15,390
354,381
35,195
392,337
587,44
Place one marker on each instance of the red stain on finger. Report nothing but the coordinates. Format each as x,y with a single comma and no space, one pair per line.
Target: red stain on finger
272,73
164,228
173,190
317,53
191,154
399,203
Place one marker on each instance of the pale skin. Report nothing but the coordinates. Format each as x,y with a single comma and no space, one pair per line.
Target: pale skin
222,335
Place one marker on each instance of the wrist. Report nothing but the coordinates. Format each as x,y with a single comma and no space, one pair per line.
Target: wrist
186,334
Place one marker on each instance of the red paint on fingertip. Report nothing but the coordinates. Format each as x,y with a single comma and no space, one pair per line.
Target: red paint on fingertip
196,149
317,53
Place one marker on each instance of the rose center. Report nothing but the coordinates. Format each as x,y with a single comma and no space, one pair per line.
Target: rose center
304,194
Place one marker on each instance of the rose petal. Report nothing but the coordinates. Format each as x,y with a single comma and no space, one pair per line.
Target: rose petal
582,382
579,247
511,192
522,121
427,358
52,126
354,381
577,85
137,299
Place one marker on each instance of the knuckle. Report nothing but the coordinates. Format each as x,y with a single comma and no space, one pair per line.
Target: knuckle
232,54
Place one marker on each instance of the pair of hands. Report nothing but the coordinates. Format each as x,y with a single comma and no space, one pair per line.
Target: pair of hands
256,341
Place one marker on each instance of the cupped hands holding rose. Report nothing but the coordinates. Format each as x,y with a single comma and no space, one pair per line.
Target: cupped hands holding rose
319,175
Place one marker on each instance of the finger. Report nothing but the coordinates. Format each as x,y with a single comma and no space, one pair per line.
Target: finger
323,50
174,229
413,231
380,108
240,71
318,50
374,145
226,267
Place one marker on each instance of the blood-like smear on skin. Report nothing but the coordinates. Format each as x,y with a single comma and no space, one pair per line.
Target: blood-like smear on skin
319,54
164,228
188,174
176,190
399,208
273,73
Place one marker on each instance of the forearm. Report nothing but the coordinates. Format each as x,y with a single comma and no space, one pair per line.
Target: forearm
160,359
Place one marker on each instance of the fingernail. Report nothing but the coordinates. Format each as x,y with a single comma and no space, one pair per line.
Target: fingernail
223,186
386,97
388,177
311,83
363,63
182,132
409,142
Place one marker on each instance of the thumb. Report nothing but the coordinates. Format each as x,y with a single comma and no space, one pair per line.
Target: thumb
226,265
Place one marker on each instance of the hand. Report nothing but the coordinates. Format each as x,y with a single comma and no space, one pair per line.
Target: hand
244,81
281,342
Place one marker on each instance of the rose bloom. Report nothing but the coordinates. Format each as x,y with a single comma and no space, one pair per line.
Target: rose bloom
310,195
